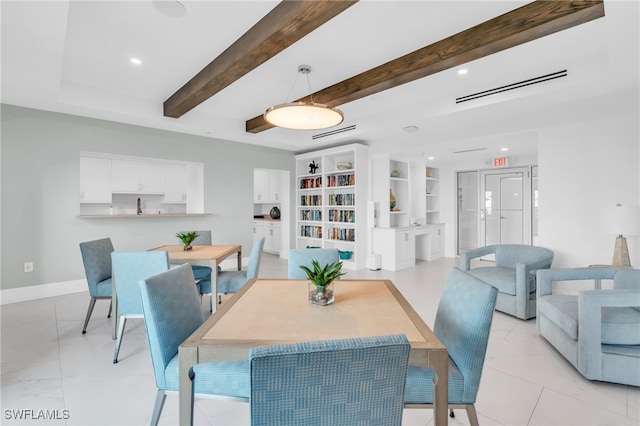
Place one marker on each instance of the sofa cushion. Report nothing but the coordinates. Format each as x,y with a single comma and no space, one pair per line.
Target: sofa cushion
620,326
504,279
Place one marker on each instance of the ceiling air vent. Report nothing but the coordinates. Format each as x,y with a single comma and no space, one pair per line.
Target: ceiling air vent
334,132
469,150
513,86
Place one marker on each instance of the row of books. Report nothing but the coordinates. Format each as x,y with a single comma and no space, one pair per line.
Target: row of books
342,199
315,215
342,215
311,231
343,234
308,183
311,200
341,180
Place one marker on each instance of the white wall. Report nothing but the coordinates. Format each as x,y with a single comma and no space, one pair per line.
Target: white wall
585,167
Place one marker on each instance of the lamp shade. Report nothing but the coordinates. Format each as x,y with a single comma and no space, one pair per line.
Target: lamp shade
622,220
303,116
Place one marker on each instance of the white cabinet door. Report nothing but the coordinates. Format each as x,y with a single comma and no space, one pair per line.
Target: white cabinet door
152,178
274,186
272,237
260,186
95,180
437,243
405,249
175,184
125,176
258,232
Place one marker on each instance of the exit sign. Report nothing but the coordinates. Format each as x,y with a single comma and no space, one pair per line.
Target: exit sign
500,161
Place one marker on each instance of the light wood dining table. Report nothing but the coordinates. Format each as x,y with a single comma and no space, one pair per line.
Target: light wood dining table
214,254
277,311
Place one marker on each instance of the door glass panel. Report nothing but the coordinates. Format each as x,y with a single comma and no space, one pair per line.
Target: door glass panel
468,217
503,208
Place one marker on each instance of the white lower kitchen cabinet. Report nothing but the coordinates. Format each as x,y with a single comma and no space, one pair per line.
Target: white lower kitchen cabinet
270,230
400,247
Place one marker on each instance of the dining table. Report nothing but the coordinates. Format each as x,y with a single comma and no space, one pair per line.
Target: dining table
278,311
214,254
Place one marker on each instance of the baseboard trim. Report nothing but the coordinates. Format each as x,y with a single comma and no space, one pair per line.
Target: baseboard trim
42,291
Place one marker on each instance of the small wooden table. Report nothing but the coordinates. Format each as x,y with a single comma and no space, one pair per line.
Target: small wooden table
214,254
277,311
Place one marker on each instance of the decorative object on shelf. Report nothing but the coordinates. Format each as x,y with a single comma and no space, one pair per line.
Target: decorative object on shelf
187,238
395,173
344,165
392,201
321,280
344,255
274,212
302,115
429,174
313,167
622,220
139,207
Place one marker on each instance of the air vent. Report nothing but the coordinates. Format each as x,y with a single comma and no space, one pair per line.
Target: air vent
513,86
334,132
469,150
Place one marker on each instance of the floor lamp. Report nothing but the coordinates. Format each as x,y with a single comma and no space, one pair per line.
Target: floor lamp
622,221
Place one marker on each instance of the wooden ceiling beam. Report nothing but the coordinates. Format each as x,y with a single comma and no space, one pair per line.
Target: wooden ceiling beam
285,24
527,23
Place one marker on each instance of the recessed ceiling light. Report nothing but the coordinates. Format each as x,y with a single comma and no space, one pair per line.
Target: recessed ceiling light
136,61
431,158
410,129
504,149
171,8
462,71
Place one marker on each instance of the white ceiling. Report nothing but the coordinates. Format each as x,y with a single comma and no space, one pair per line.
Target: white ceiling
74,57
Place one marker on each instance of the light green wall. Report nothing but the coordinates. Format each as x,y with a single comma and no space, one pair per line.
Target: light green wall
40,190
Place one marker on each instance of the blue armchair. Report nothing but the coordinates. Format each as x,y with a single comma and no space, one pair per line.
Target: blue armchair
172,313
463,323
304,257
513,275
598,331
96,257
357,381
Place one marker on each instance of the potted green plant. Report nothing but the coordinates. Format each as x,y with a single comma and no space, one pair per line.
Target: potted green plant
187,238
321,281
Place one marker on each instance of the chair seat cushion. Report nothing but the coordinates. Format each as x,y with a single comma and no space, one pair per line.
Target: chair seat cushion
419,385
231,281
201,272
229,378
504,279
620,326
103,288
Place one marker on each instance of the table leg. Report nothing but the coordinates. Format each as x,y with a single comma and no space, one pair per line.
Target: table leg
214,286
439,362
240,259
188,357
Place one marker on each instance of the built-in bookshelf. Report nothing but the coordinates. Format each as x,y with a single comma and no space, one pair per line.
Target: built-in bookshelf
331,200
432,195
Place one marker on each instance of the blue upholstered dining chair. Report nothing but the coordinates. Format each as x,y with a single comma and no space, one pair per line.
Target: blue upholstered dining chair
298,257
128,269
514,275
232,281
172,312
201,272
334,382
463,322
96,257
597,330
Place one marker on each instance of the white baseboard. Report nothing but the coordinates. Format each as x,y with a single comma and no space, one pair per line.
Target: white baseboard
33,292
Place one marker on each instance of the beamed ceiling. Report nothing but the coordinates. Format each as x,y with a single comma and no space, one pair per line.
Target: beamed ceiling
386,64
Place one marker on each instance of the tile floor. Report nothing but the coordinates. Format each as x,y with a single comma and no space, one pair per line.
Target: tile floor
47,364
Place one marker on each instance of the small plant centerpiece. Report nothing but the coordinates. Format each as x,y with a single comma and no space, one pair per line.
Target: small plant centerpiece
321,281
187,238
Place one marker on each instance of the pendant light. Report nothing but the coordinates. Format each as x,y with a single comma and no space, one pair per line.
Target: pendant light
303,115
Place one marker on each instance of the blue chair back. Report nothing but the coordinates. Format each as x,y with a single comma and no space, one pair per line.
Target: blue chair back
335,382
253,268
508,255
96,257
298,257
626,279
172,313
129,268
463,322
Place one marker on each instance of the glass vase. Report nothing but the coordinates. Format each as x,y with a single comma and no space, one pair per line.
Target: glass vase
321,295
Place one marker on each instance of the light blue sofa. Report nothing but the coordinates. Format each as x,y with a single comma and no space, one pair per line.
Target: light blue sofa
598,331
513,275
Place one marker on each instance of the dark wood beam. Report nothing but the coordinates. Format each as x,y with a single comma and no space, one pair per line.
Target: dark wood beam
527,23
285,24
